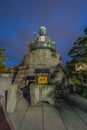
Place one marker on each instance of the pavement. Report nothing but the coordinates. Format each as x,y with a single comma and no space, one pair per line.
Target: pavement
38,117
42,116
25,117
78,99
45,117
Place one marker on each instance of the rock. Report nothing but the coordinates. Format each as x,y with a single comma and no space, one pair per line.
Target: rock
11,98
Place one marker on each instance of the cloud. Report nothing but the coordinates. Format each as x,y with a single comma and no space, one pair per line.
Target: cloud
65,21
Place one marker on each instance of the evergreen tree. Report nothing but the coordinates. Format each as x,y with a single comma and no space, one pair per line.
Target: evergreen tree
78,53
2,58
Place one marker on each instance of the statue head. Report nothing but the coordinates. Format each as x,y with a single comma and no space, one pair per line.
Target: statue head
42,30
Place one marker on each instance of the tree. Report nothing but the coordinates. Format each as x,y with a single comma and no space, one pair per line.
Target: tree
2,58
78,53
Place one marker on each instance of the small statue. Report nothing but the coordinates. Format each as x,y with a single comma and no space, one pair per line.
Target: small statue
42,30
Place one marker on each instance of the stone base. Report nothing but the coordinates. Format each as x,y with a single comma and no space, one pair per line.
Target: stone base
39,93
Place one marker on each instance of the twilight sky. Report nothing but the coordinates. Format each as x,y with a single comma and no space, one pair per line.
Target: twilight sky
65,20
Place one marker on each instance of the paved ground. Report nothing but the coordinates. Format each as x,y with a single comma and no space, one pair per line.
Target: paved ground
78,99
68,115
34,118
74,116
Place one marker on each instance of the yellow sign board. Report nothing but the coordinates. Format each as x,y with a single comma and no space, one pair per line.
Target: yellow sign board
42,80
81,66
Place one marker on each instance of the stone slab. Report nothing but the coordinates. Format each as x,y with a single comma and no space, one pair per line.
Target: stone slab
11,98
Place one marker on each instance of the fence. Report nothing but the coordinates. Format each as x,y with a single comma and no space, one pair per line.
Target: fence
81,90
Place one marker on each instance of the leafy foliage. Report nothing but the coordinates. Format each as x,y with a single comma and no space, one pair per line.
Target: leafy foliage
79,51
2,58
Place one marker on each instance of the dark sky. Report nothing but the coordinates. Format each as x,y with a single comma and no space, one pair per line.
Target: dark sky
65,20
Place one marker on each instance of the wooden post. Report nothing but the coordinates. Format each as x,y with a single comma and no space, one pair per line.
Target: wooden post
81,79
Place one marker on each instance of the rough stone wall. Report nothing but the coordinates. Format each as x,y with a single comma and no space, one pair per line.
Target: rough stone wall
40,93
26,59
35,59
20,77
43,59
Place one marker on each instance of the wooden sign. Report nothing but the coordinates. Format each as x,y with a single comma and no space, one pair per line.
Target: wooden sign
81,66
42,80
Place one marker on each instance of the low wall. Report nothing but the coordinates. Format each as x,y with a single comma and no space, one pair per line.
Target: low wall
5,75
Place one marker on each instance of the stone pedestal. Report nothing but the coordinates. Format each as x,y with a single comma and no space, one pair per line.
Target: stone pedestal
39,93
